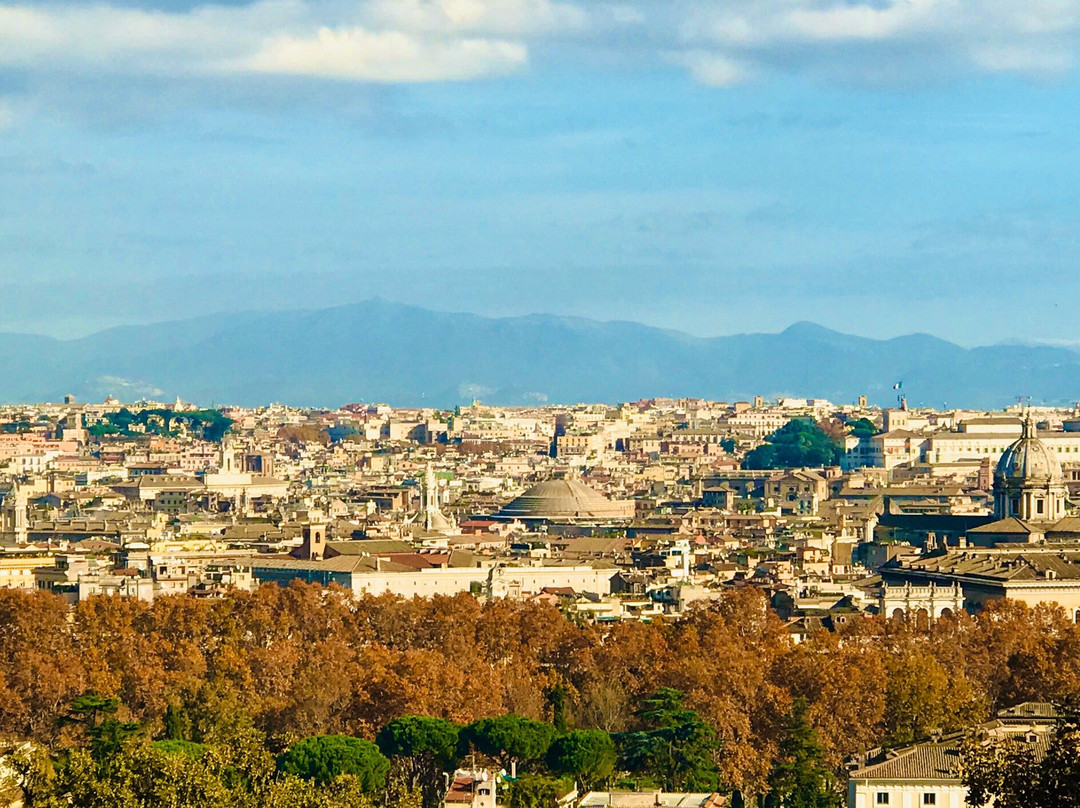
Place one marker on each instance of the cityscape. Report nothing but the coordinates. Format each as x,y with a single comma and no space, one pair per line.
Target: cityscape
591,604
539,404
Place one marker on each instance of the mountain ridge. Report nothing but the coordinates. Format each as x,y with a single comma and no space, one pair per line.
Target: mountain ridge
406,355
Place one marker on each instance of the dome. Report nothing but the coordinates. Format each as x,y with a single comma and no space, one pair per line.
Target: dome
565,499
1028,459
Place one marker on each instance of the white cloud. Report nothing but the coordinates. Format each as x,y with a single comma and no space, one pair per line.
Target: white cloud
1049,59
489,17
713,69
720,42
391,56
111,39
850,39
274,36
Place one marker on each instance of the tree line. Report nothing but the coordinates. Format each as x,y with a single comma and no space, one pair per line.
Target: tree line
724,692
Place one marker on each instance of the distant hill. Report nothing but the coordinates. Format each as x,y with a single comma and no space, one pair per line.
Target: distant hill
405,355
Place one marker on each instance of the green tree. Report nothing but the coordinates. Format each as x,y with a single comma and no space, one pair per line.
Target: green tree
665,708
96,715
188,749
323,758
177,724
799,777
537,791
422,748
679,751
510,738
34,774
557,697
1004,772
589,755
861,428
799,443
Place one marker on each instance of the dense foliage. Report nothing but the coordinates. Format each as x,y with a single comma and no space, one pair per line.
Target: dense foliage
208,425
710,699
1007,774
862,428
799,443
423,749
324,758
511,739
588,755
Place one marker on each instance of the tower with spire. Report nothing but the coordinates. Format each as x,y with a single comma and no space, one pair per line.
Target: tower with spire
430,518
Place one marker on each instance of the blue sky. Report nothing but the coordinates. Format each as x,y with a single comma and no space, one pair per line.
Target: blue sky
877,167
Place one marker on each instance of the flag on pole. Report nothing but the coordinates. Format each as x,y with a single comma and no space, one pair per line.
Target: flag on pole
898,385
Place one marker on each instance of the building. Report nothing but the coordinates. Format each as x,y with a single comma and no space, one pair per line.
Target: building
920,603
435,572
798,491
651,799
928,773
564,501
1032,575
1029,493
472,789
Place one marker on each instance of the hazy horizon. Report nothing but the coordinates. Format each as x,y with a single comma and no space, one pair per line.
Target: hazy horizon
878,168
75,334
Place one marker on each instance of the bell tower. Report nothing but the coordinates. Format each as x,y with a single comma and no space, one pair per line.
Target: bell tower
313,547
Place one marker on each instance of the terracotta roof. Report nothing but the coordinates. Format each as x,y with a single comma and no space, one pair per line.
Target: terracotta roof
934,760
1009,525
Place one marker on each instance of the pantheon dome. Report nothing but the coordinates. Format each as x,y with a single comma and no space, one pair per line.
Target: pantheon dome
562,500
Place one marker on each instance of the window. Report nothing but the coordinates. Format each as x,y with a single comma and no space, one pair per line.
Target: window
1038,506
882,798
929,798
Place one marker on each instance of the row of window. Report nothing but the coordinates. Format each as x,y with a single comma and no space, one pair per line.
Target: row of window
928,798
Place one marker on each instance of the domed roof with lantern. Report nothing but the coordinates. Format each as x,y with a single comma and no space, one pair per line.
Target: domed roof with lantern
1028,459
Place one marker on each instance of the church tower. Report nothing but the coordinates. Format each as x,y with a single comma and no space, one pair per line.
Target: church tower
430,518
14,516
1027,481
313,547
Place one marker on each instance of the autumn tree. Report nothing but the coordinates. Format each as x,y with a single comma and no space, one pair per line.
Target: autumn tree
921,698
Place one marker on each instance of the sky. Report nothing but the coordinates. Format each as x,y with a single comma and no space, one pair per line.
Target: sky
716,166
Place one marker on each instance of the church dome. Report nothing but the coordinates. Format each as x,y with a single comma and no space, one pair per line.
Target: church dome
1028,459
564,499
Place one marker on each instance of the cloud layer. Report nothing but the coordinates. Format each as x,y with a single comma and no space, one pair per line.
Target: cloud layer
721,42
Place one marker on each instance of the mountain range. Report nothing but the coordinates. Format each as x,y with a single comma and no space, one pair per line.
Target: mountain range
409,356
